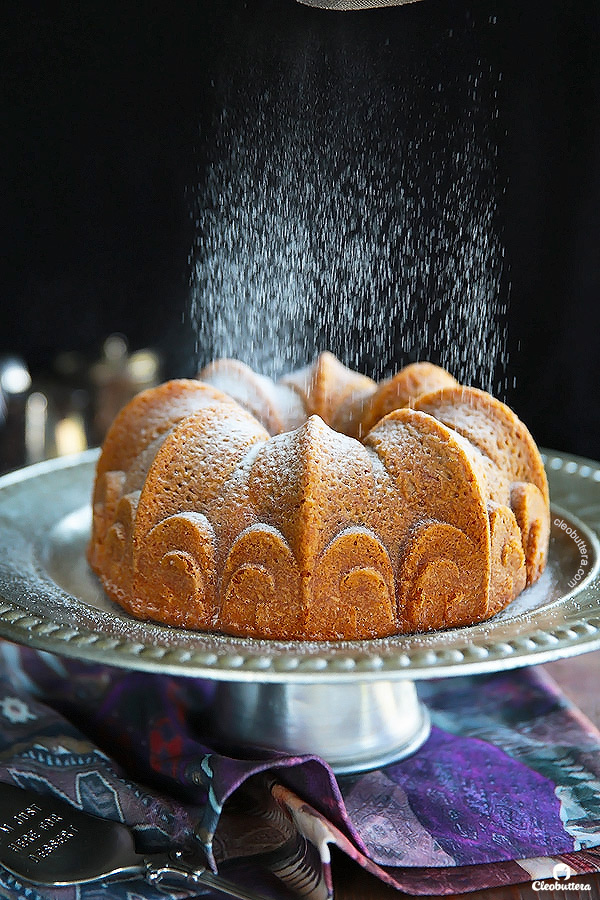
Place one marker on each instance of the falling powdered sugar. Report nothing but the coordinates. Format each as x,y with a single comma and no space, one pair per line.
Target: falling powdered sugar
363,222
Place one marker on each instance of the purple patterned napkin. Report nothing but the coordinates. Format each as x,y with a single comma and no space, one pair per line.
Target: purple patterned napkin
507,785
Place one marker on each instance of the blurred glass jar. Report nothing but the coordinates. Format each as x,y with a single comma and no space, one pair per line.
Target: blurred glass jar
116,378
72,406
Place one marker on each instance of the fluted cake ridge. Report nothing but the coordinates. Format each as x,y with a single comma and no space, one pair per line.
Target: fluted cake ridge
321,507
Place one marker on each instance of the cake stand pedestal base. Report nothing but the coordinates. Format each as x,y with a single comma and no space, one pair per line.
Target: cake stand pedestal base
354,726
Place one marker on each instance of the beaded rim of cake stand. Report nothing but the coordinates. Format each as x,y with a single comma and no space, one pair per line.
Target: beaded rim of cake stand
36,611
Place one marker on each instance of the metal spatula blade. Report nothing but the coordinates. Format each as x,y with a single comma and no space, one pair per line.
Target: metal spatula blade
47,842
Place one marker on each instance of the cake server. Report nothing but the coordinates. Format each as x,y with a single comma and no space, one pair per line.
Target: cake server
45,841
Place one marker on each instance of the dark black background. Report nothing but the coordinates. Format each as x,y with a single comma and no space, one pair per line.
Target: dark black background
107,117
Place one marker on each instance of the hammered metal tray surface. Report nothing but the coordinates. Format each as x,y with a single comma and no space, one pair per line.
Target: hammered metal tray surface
49,599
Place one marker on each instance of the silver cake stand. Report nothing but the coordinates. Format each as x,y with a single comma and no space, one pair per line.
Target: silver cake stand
353,703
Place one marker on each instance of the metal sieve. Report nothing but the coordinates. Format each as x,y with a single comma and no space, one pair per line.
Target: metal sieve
353,4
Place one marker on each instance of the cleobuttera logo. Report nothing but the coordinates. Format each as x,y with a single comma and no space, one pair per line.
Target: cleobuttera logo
561,871
562,874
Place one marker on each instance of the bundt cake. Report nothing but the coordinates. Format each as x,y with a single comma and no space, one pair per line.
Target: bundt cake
323,507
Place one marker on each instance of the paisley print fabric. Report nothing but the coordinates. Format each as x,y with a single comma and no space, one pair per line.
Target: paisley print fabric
506,786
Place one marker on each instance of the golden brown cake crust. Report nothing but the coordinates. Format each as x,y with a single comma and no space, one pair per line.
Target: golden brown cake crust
397,392
271,519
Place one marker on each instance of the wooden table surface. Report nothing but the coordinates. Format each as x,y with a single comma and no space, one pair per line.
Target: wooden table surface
579,678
